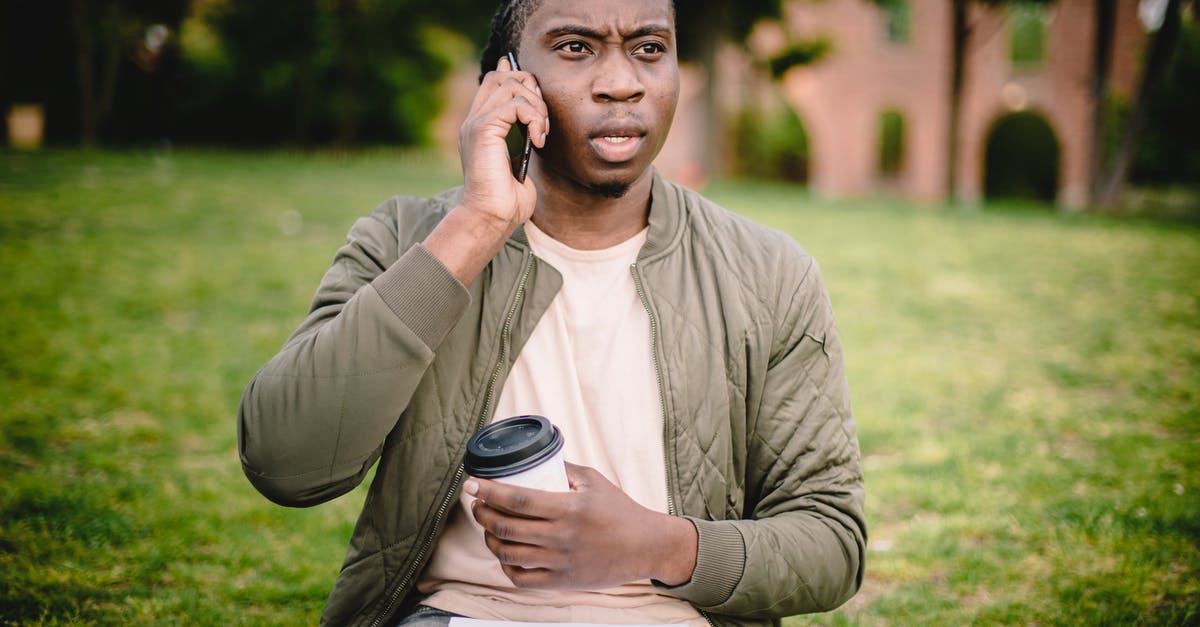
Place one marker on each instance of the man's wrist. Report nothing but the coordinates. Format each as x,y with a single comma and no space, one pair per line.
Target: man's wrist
676,558
466,240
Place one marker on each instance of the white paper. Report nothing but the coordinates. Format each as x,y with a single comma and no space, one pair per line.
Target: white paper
475,622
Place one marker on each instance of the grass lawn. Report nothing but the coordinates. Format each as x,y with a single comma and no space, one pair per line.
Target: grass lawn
1026,386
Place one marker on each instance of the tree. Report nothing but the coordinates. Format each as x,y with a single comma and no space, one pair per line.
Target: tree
702,26
1162,43
1101,63
109,36
316,71
959,34
1168,150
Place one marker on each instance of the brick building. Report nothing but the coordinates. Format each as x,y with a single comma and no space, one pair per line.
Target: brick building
891,62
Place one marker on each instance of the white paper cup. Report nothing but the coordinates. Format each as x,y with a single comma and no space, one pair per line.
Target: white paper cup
525,451
550,475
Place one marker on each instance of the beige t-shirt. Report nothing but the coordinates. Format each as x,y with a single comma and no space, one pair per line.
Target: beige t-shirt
587,367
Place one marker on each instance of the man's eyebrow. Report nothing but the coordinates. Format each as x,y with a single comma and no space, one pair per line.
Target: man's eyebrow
649,29
592,33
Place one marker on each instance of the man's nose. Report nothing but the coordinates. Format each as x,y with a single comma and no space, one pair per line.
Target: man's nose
617,79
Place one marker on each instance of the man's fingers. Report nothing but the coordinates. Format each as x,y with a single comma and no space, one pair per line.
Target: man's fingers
521,110
502,88
580,477
500,80
504,69
516,103
525,502
532,578
517,553
506,87
524,565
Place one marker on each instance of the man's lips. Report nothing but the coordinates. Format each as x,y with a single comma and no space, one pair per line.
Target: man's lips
618,144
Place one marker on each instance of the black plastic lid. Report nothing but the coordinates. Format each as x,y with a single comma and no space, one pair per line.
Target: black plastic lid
510,446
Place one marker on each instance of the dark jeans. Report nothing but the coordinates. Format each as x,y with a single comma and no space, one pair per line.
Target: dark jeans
425,616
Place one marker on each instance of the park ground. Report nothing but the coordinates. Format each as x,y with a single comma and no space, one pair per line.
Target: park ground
1025,384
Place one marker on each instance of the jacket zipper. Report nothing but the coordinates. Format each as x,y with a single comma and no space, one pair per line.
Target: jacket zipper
662,399
505,340
662,392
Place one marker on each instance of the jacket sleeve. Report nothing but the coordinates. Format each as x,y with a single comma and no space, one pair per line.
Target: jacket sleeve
313,420
801,547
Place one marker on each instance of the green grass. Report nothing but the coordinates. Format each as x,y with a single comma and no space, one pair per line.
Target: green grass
1025,384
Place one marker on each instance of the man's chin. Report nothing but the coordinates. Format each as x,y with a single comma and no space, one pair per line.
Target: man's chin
615,184
611,189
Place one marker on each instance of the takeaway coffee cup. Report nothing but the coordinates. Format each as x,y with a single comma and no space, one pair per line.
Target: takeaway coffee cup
525,451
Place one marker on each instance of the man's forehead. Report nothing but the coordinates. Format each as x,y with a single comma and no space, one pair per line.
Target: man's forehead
625,16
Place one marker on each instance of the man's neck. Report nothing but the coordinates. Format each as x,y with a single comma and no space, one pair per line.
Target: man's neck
587,220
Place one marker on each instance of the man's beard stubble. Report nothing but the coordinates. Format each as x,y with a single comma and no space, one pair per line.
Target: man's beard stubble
613,189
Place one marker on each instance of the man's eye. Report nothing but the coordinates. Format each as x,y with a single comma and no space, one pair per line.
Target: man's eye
574,47
650,48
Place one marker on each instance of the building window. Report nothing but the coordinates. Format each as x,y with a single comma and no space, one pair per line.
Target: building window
1026,33
897,20
891,143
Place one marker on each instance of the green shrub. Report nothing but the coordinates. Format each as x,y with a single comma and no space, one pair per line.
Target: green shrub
772,145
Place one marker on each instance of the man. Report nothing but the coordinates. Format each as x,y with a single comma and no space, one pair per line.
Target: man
689,357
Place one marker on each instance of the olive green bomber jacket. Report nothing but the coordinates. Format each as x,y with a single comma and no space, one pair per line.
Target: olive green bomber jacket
398,363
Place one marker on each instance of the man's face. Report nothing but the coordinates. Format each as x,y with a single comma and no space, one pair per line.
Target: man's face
610,78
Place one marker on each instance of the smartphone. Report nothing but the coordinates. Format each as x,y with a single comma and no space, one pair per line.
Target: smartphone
521,165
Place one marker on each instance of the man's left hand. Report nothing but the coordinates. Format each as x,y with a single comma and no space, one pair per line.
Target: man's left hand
594,536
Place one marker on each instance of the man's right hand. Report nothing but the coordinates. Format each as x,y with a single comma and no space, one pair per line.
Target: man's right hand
494,204
504,98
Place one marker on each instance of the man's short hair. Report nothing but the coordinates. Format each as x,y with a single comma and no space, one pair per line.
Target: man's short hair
508,24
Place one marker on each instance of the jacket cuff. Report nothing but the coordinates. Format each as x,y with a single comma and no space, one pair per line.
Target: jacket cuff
423,294
720,562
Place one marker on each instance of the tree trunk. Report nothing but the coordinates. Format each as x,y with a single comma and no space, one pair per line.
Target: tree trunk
85,45
958,52
306,74
709,37
115,28
1101,64
1162,44
348,100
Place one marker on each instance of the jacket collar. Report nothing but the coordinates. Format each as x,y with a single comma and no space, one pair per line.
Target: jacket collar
667,204
666,220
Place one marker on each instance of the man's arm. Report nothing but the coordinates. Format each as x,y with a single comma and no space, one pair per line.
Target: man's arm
494,203
801,548
314,419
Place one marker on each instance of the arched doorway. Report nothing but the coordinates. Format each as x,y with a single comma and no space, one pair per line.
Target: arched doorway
1022,158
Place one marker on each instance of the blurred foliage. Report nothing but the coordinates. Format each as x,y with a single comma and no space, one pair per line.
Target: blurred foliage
1169,151
702,24
772,144
1027,32
266,72
1022,158
313,71
801,52
97,56
295,72
899,20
